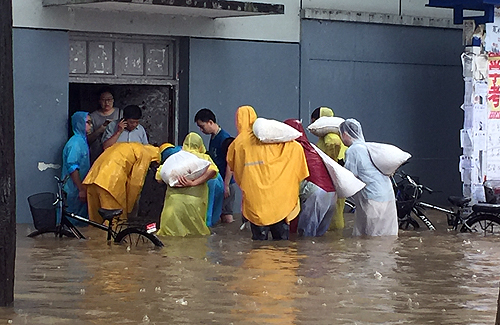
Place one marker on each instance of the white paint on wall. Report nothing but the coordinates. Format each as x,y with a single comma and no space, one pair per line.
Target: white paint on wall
285,28
42,166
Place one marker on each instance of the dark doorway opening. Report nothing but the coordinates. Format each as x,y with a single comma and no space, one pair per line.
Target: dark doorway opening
157,103
158,118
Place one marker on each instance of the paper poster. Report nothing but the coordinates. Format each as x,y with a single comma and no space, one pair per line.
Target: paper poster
466,138
480,67
467,65
479,118
479,141
466,176
467,190
493,168
467,116
468,91
478,192
494,86
492,39
480,90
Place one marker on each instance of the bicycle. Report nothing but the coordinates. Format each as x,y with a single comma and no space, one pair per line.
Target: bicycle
484,217
134,235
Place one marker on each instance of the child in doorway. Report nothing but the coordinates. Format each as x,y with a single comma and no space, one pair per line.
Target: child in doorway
207,122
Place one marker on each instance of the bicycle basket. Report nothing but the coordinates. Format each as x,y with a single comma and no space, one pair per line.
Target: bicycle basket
43,211
492,191
404,207
406,191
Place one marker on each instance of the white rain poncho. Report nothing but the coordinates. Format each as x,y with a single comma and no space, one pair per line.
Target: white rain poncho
317,208
376,213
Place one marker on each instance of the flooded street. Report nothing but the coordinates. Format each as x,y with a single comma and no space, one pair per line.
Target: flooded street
421,277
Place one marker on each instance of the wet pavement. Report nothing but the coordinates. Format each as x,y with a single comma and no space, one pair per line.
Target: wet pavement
424,277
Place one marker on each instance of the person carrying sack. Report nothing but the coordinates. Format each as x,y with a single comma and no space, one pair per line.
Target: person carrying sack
376,213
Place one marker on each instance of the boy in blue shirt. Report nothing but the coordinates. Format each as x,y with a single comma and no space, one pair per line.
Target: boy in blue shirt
207,122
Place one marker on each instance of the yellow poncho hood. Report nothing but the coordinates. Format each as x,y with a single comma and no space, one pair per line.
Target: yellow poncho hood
193,143
121,170
331,144
267,173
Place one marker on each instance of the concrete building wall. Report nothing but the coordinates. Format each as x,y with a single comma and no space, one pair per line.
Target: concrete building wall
404,84
227,74
41,111
396,7
31,13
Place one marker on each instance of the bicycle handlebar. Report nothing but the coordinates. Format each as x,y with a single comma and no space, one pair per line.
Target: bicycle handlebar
402,174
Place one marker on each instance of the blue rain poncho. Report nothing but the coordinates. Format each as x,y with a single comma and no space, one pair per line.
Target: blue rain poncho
375,212
215,199
76,156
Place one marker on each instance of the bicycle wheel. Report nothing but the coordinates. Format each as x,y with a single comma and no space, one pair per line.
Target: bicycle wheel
487,224
408,223
135,238
349,206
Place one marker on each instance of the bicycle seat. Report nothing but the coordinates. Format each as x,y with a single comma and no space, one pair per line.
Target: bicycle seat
109,214
486,207
459,201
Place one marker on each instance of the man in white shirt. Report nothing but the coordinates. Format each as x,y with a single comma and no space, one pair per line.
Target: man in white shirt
127,129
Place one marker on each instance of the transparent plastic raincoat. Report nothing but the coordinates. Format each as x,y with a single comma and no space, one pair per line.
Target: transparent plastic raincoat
76,156
332,145
269,174
215,185
375,213
317,195
117,176
185,208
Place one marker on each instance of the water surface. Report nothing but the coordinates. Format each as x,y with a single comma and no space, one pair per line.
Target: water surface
424,277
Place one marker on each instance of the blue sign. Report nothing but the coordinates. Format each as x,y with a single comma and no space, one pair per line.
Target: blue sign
458,6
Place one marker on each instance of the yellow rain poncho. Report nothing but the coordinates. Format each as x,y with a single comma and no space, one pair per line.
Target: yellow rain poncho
268,174
185,208
332,145
116,178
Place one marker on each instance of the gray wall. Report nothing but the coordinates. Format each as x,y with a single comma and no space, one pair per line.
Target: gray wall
227,74
404,84
41,110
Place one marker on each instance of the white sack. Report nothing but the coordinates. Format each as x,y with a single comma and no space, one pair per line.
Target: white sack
346,184
325,125
272,131
386,157
182,163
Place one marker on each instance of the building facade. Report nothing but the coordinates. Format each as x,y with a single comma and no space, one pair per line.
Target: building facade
393,65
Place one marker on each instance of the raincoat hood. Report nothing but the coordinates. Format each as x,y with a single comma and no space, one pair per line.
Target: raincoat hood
168,149
245,116
194,143
326,111
268,174
78,122
353,129
318,172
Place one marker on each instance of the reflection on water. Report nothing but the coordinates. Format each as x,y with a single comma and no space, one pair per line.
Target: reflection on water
418,278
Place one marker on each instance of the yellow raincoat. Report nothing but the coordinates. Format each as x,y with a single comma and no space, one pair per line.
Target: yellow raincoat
185,208
116,178
268,174
332,145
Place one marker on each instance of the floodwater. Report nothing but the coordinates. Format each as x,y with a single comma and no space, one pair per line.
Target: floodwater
440,277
